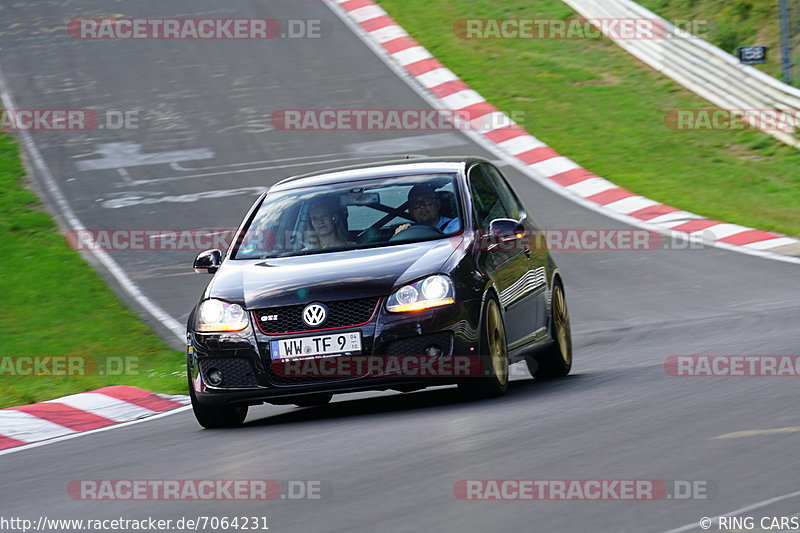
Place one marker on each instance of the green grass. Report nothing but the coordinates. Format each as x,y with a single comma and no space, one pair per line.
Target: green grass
596,104
733,23
54,303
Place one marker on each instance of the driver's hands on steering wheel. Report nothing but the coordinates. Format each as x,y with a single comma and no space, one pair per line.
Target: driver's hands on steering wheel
401,227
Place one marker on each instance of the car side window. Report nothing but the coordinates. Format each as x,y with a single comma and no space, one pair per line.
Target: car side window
510,202
486,201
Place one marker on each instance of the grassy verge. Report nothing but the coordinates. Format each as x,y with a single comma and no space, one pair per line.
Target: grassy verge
594,103
733,23
54,303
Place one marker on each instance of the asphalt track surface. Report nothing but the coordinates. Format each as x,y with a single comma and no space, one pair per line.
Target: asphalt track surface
389,460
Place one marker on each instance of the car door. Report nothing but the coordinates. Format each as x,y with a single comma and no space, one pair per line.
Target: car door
506,261
536,279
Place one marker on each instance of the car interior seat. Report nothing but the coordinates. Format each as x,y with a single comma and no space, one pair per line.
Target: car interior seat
447,201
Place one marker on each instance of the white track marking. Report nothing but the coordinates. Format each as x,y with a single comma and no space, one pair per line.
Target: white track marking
367,13
103,405
591,187
27,427
411,55
407,144
436,77
49,183
772,243
521,144
674,218
721,231
492,121
129,154
554,165
178,166
462,99
134,199
244,170
125,176
389,33
92,431
631,204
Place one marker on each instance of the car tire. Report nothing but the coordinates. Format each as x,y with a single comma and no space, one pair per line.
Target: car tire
313,400
556,360
217,417
493,356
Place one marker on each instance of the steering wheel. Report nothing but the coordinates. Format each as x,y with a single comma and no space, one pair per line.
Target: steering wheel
418,231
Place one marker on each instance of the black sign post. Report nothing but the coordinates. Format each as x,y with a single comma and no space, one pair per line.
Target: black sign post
786,42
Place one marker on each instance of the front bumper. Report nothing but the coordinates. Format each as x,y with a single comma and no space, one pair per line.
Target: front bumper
250,375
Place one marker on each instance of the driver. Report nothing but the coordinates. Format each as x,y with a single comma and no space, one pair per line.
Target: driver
424,205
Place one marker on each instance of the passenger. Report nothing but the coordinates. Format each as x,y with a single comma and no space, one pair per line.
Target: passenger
328,226
424,206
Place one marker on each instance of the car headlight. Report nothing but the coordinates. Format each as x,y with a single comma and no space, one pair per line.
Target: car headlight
216,315
433,291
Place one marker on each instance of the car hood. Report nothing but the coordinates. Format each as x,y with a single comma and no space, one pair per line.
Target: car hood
331,276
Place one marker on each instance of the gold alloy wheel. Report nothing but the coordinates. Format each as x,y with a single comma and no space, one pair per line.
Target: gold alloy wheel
562,330
496,340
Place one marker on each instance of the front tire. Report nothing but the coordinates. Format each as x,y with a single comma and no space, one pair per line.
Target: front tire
217,417
494,355
556,361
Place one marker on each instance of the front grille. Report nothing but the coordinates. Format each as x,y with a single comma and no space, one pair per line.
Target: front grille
341,314
236,371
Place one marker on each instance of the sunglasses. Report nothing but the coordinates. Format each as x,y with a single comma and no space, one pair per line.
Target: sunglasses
416,204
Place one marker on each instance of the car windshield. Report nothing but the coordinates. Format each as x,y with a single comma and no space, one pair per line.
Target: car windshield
346,216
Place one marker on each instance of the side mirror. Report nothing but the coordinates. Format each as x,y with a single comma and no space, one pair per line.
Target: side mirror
207,261
506,228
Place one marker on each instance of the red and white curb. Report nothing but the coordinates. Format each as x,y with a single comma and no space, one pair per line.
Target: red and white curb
541,162
82,412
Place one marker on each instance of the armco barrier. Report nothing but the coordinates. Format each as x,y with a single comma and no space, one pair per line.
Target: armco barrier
700,66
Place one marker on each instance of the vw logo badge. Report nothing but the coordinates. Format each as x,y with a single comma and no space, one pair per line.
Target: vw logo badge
314,314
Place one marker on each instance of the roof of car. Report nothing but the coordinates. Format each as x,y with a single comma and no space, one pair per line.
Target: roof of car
415,165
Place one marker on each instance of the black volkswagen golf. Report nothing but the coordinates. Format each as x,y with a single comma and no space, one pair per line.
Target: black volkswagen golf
397,275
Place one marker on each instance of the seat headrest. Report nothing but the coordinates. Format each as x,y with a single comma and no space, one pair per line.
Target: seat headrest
448,206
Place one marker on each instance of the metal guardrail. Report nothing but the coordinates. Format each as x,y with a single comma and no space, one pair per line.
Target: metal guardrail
701,67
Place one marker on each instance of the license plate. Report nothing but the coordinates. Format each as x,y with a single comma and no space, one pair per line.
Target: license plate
339,344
